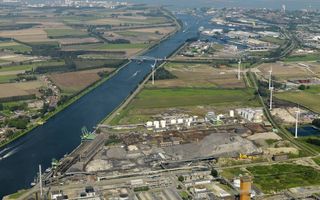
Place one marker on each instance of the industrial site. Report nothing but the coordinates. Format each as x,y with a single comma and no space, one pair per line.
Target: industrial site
144,102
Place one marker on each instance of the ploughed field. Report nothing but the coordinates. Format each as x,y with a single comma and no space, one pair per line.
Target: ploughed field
72,82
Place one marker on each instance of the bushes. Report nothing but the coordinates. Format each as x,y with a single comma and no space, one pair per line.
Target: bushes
113,139
314,141
17,98
163,74
18,106
19,122
181,178
315,122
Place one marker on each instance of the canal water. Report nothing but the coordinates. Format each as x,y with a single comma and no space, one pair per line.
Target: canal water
306,131
61,134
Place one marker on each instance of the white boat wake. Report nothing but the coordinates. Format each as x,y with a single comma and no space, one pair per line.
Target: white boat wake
135,74
8,154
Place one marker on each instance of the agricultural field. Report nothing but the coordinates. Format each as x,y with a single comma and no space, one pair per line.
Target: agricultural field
27,35
151,102
72,41
129,20
199,75
8,57
283,176
308,98
7,78
106,47
19,89
91,63
14,46
27,67
66,33
10,73
142,35
73,82
128,49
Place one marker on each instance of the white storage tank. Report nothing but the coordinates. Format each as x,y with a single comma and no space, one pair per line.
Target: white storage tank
163,123
236,183
173,121
231,113
156,124
180,121
149,124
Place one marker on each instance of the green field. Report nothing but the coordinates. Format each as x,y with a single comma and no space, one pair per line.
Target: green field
17,194
7,78
14,46
151,101
51,43
27,67
108,46
308,98
233,172
60,33
308,57
129,33
164,98
123,46
316,160
283,176
273,40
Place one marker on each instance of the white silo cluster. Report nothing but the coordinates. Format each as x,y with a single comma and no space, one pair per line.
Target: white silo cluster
231,113
250,114
170,123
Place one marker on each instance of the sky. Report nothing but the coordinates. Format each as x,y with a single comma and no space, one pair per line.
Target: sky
274,4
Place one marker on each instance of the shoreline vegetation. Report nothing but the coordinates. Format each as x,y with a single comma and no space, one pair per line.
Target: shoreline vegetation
91,88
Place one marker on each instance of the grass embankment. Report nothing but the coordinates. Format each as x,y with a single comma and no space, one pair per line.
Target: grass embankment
308,98
17,194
